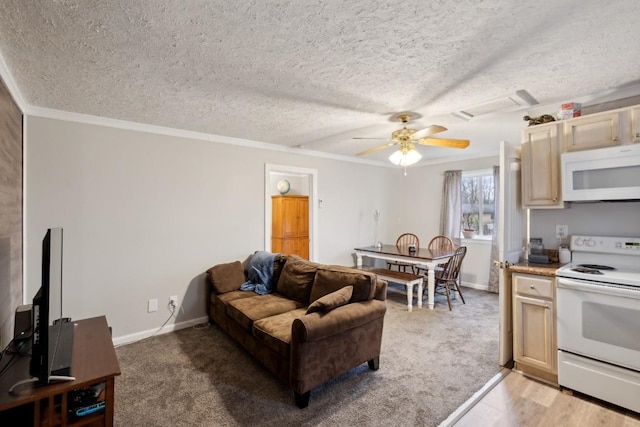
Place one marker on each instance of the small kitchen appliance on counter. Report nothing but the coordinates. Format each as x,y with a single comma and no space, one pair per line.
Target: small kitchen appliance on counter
598,319
536,252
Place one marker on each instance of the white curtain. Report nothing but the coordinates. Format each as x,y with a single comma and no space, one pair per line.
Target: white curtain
494,270
451,206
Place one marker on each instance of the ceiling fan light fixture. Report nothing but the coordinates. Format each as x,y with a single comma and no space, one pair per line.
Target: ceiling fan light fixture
405,158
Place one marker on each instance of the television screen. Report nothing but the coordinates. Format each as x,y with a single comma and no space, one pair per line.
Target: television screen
52,339
55,275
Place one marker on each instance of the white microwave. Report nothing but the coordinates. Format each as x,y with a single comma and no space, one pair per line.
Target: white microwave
611,173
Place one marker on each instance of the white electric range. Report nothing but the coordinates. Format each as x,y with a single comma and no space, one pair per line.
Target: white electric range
598,319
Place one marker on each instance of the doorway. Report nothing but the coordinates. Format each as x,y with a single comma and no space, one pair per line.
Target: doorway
305,183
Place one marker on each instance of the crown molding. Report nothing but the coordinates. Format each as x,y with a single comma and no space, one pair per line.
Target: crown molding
51,113
11,85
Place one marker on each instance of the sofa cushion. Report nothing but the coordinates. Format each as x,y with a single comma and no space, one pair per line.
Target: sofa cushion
297,278
245,311
331,278
332,300
278,265
222,300
227,277
275,331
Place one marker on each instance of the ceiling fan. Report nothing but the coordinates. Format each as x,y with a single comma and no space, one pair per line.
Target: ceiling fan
407,138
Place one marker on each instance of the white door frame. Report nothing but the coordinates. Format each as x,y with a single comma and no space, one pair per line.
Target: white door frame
511,237
312,174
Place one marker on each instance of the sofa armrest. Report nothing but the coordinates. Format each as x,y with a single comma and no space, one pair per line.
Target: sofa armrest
319,325
381,290
325,345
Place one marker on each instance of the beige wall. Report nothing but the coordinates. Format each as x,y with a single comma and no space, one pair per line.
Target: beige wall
144,215
590,219
423,195
10,213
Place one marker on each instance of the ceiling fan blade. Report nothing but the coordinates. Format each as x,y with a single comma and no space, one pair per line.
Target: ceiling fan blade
356,137
442,142
428,131
374,149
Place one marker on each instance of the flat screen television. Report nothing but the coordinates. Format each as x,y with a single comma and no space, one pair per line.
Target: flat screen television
52,337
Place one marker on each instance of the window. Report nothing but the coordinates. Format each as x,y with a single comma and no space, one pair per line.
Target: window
478,196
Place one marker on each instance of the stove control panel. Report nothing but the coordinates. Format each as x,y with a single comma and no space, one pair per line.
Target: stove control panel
606,245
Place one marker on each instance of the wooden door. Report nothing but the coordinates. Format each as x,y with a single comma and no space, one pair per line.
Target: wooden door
290,225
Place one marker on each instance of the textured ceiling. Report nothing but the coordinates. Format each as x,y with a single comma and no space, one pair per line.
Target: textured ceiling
317,73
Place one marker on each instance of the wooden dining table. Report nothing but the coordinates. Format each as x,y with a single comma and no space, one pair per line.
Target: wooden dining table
423,257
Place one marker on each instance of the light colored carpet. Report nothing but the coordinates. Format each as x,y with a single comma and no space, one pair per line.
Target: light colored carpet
431,362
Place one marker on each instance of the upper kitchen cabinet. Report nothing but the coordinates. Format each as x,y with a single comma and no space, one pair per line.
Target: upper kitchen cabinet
541,183
634,112
592,131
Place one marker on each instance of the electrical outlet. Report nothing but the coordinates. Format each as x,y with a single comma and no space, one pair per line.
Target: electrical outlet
562,231
173,301
152,305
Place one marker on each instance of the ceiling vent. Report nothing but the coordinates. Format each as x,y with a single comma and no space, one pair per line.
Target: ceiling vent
520,99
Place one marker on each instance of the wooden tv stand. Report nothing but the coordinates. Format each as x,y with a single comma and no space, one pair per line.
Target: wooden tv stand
94,362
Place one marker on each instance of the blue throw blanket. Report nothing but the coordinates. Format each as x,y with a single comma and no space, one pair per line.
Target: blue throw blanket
260,273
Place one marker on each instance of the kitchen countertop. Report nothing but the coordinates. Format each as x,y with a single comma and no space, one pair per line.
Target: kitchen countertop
538,269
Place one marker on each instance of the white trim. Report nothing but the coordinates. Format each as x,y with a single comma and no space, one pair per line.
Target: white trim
475,286
313,204
50,113
25,165
473,400
478,240
181,133
128,339
477,173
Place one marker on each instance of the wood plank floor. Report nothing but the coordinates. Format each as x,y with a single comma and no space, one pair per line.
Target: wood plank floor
520,401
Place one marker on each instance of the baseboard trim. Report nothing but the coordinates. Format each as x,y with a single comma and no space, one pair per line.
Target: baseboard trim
475,286
473,400
131,338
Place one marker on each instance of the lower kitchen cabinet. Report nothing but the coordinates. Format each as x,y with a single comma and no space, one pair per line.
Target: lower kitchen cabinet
534,326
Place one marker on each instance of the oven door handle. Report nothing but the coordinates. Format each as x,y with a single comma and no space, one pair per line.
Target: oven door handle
599,288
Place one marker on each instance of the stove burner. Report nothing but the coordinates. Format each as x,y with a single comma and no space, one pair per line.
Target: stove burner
596,267
587,270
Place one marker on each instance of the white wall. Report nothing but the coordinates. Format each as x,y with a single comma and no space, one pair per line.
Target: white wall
144,215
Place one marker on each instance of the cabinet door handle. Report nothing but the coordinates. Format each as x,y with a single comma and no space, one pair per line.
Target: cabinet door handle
614,138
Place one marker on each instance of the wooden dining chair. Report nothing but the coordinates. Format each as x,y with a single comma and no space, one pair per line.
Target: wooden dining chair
438,243
402,243
447,280
441,243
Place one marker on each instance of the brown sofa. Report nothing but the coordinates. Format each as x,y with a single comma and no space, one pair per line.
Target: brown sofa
318,322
